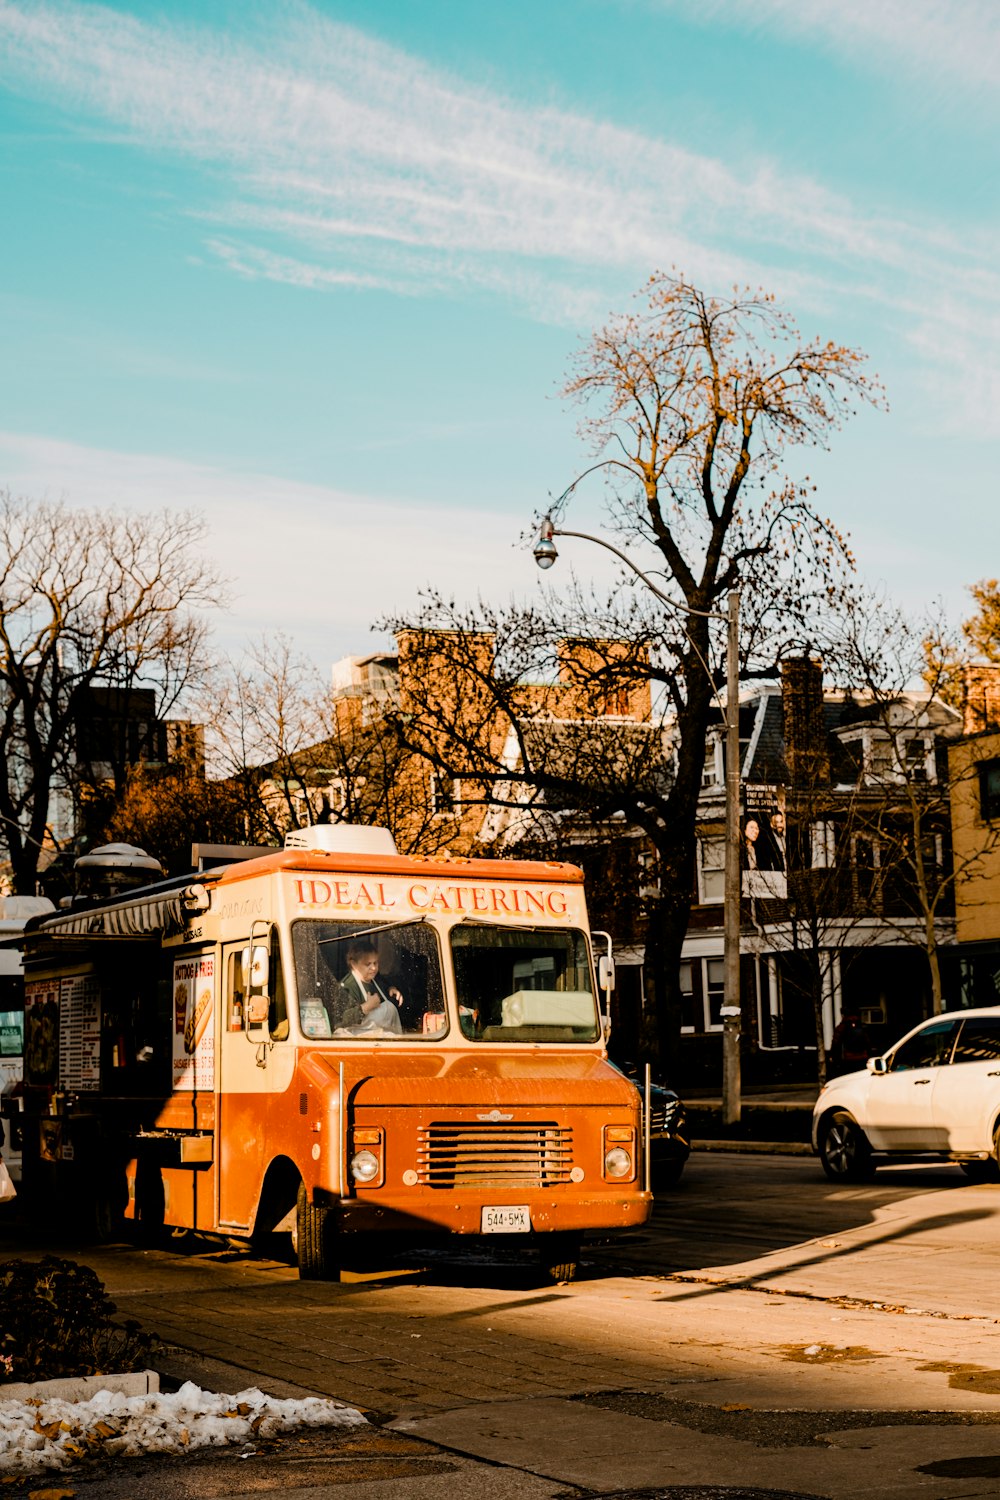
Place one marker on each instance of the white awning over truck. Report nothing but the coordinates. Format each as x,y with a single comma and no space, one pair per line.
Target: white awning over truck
143,916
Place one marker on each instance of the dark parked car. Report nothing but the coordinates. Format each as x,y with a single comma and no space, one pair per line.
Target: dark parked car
669,1140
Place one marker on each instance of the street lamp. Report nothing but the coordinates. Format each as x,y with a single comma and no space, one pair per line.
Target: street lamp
545,553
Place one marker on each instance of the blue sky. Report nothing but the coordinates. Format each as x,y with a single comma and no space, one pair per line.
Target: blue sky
317,270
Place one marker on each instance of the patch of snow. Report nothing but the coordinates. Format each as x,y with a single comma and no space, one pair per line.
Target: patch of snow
813,1349
38,1434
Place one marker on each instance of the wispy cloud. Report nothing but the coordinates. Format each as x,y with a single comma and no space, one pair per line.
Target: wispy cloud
958,40
332,140
338,162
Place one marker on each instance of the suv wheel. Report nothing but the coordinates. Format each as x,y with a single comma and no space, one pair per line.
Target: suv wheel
988,1170
844,1149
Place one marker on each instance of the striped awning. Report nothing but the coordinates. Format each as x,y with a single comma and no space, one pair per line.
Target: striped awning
142,916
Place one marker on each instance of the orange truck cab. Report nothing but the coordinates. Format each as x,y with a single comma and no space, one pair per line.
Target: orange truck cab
334,1041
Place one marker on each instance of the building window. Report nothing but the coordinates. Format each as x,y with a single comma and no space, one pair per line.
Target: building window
649,875
712,769
919,766
715,988
687,995
867,862
989,789
702,988
880,761
712,862
823,851
336,793
445,793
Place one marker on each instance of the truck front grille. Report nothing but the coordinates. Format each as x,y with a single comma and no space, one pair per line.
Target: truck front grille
529,1154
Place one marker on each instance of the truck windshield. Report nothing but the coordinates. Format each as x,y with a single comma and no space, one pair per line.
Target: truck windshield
523,984
370,980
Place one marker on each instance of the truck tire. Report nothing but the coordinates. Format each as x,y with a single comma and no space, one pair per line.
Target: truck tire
314,1239
559,1255
149,1221
844,1150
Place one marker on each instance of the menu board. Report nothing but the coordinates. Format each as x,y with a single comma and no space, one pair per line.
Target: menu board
194,1023
79,1032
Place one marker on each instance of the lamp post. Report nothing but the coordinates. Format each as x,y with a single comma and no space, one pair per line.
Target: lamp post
545,553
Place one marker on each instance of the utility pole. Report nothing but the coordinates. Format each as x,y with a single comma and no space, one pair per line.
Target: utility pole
731,997
545,554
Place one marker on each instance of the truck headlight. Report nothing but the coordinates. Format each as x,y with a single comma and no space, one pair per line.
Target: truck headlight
617,1162
365,1166
368,1155
619,1152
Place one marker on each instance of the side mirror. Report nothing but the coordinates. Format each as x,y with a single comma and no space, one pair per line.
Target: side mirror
877,1065
255,966
606,972
257,1008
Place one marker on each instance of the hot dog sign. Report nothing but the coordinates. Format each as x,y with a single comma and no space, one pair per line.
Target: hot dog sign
194,1029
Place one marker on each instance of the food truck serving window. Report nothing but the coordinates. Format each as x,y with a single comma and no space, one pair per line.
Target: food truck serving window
371,980
523,984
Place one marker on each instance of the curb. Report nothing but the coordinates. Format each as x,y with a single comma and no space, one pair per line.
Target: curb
177,1365
760,1148
82,1387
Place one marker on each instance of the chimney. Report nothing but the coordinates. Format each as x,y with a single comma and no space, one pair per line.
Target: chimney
806,753
980,698
448,670
605,677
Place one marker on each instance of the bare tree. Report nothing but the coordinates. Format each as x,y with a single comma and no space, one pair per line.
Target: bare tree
829,892
910,780
689,403
86,598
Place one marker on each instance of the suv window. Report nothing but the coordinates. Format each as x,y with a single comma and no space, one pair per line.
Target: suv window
979,1040
928,1048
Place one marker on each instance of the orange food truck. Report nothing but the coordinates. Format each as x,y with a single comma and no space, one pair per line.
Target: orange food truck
334,1041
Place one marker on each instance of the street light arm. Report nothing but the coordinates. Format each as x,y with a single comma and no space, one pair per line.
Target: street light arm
549,530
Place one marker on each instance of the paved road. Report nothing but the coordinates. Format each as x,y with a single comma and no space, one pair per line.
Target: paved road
767,1330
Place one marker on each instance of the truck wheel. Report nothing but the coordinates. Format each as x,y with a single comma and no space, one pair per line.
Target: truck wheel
844,1149
150,1203
313,1239
559,1254
103,1220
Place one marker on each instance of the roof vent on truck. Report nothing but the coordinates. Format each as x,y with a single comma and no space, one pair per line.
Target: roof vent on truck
342,838
114,868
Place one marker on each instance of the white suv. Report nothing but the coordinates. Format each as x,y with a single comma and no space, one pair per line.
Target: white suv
935,1094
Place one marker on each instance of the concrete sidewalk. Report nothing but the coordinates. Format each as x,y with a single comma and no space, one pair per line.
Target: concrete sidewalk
804,1372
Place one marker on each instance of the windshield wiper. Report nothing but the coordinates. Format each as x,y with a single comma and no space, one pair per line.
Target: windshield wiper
348,937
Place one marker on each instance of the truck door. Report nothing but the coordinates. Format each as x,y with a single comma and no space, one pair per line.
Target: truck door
257,1062
243,1089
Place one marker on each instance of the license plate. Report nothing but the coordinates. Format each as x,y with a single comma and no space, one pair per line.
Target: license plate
511,1219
